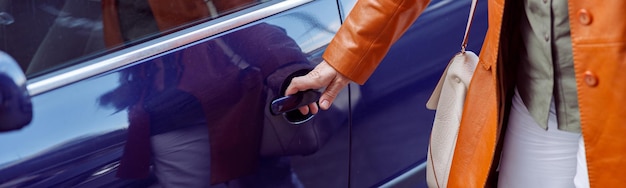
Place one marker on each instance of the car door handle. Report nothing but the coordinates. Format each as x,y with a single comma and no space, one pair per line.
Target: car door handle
293,102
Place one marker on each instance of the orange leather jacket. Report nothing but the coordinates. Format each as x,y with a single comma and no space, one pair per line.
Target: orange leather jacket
599,51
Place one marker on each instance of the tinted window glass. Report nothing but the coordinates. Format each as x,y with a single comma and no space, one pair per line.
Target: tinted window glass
46,35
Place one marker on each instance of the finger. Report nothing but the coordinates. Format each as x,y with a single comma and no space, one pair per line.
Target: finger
306,82
294,86
317,78
313,108
304,110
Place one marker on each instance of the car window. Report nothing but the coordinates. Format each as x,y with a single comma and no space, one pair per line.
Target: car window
43,36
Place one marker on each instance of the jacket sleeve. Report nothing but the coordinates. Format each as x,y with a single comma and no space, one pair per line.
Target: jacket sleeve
367,34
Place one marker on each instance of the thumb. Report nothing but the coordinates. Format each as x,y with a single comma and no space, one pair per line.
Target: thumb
332,91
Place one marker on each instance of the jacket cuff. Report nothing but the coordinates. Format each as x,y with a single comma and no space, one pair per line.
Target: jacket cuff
336,59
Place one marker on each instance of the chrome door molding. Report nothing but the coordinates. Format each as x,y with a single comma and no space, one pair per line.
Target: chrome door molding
127,56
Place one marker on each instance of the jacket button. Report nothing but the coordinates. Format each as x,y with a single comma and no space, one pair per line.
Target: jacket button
584,17
591,79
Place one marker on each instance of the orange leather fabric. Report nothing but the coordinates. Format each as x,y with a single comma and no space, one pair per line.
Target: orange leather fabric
599,49
369,30
480,129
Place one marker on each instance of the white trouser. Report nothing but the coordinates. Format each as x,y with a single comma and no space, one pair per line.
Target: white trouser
534,157
182,157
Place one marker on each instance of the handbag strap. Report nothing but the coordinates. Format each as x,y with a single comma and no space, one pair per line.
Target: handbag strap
433,101
470,18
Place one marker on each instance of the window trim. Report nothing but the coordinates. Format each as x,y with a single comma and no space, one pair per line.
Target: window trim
128,56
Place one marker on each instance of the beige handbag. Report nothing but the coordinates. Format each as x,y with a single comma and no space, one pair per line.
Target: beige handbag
448,99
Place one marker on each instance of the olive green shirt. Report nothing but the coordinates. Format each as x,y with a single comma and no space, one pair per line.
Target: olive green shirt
546,67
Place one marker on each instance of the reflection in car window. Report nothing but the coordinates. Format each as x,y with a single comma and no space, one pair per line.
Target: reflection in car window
43,36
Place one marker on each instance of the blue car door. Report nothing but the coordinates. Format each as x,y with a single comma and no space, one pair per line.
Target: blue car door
158,93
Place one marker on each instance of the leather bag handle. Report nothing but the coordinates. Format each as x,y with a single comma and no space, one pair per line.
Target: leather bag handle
433,101
470,18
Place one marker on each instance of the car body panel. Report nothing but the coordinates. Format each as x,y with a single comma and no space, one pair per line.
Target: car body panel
80,129
107,105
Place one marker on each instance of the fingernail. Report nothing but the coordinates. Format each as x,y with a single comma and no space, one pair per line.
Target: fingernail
324,104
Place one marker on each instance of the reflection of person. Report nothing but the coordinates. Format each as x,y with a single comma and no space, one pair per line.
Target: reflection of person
131,19
555,72
200,108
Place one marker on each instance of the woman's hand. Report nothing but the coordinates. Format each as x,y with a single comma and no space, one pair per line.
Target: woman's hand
323,75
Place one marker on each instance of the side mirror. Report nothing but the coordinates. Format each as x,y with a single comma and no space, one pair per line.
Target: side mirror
16,110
